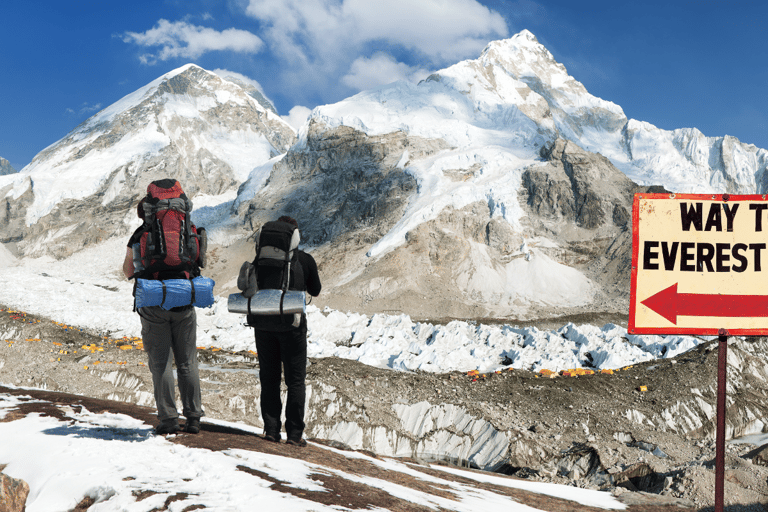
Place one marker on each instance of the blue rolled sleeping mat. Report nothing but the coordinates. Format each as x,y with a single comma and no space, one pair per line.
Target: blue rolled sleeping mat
173,293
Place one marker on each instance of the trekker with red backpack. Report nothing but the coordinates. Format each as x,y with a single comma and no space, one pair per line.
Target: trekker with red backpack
168,246
281,336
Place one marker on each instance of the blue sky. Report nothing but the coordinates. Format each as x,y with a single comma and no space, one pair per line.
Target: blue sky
674,63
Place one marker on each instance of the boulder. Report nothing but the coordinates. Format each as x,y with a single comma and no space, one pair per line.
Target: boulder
13,494
760,456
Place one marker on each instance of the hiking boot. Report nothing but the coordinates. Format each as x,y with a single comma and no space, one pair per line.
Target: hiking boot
192,426
296,441
272,437
170,426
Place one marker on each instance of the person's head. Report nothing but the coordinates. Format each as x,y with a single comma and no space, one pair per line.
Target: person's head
289,220
140,208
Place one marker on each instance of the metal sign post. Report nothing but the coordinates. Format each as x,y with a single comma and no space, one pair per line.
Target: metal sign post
722,360
698,267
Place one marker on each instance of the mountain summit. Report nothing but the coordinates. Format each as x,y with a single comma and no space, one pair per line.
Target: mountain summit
191,124
682,160
495,187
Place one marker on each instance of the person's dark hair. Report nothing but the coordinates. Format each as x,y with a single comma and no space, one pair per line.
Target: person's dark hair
140,208
289,220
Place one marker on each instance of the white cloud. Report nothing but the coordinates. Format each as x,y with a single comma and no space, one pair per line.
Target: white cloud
297,116
225,73
443,29
85,108
367,73
320,50
182,39
320,40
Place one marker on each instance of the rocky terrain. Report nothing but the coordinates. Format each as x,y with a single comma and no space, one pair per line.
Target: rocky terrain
497,189
6,167
347,192
206,132
595,431
358,480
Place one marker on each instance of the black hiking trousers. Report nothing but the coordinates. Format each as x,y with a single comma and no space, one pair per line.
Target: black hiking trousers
286,351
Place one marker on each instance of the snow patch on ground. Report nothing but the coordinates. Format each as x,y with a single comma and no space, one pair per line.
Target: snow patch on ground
63,462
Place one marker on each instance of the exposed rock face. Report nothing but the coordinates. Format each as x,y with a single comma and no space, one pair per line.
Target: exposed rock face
760,456
580,187
342,185
13,494
190,125
12,225
595,431
6,167
584,203
349,190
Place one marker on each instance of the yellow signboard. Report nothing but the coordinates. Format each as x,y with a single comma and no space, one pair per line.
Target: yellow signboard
699,264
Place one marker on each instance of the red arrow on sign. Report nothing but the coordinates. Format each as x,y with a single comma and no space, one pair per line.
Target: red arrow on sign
670,304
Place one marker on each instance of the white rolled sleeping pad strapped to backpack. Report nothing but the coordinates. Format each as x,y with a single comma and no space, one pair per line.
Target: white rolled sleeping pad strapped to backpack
253,301
267,302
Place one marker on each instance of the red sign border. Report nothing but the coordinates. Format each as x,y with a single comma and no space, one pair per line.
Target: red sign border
707,331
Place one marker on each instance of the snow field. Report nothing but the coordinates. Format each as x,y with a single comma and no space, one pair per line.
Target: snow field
87,291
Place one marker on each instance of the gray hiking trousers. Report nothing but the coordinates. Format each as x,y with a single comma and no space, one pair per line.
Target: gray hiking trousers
165,333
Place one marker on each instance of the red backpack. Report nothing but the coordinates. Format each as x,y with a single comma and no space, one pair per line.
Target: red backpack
171,246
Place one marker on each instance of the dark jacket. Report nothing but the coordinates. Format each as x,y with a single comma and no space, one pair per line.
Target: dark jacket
305,278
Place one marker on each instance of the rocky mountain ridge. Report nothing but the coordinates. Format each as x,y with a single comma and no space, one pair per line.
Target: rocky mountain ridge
6,167
680,160
497,187
190,124
517,88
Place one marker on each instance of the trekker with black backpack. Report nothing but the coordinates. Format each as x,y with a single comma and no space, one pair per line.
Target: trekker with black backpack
281,334
167,246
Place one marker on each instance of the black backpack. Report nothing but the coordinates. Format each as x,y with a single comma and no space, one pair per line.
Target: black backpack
275,267
276,264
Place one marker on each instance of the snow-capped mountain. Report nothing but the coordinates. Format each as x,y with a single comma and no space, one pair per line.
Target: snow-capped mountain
496,187
515,94
6,167
190,124
682,160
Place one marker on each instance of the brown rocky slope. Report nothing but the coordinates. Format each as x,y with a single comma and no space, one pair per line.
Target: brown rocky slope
596,431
